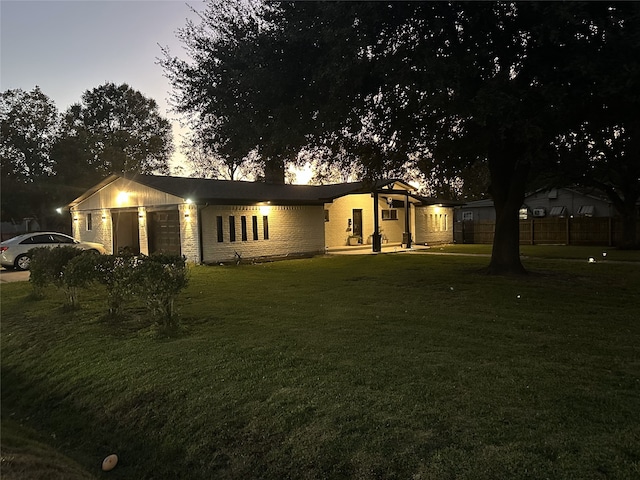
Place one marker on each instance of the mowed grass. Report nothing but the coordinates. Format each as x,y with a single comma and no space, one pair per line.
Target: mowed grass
407,366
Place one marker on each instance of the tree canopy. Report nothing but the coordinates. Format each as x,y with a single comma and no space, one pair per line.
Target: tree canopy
48,159
116,129
29,125
394,85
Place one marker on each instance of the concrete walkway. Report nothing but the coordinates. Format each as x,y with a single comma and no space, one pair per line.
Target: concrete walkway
7,276
386,248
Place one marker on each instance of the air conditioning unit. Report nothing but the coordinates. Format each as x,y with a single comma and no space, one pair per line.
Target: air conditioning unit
539,212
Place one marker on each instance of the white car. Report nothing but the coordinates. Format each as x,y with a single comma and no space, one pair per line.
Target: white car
13,252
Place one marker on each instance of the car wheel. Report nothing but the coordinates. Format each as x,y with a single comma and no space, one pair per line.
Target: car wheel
23,262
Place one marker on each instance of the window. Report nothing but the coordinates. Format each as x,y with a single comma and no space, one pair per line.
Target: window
524,213
467,216
243,226
232,228
219,228
62,239
89,222
558,211
586,210
37,239
265,227
326,215
254,221
389,214
444,223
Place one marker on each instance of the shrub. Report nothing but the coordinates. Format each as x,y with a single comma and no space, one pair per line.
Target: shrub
47,266
79,272
116,273
158,280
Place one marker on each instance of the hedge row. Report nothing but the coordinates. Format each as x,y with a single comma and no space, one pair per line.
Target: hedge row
156,280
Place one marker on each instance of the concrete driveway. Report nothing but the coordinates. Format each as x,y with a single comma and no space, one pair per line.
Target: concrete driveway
7,276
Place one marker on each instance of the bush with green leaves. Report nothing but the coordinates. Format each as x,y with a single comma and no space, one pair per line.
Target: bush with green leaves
158,279
115,272
79,272
47,266
155,280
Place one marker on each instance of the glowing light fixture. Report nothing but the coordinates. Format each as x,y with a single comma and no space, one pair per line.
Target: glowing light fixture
189,201
59,210
122,198
264,207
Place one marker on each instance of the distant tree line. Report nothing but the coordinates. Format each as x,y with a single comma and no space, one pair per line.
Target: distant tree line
49,158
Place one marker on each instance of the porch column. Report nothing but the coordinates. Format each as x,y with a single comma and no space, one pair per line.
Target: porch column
406,237
143,233
377,241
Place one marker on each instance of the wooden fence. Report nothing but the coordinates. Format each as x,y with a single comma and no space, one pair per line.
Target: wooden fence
548,231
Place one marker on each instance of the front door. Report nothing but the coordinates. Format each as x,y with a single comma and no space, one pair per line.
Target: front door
357,222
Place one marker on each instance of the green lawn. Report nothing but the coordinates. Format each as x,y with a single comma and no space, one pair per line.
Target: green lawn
408,366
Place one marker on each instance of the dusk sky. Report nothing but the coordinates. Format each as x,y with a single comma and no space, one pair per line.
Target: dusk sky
67,47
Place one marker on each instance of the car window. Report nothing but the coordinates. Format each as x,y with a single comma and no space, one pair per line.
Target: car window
38,239
63,239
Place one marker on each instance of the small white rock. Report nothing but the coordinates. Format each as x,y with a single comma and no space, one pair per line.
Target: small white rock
109,462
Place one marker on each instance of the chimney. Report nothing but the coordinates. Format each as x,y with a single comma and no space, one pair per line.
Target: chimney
274,171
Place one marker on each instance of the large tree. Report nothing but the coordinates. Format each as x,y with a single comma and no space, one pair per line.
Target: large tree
29,124
403,84
114,129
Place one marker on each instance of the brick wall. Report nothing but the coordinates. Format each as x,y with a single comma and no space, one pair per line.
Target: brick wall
189,242
434,225
101,227
291,230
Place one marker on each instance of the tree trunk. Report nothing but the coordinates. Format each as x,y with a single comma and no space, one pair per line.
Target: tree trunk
508,187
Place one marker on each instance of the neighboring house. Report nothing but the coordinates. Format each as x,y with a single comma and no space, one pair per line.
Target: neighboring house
556,202
212,221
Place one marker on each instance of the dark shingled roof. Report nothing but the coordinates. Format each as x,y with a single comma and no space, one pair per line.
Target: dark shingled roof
235,192
204,190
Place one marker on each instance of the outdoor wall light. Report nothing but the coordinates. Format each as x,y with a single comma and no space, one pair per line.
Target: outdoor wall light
122,198
264,208
59,210
189,201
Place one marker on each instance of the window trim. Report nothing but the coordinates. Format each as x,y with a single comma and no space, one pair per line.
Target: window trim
391,214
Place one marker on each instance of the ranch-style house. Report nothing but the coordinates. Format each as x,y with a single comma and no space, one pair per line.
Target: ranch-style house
211,221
